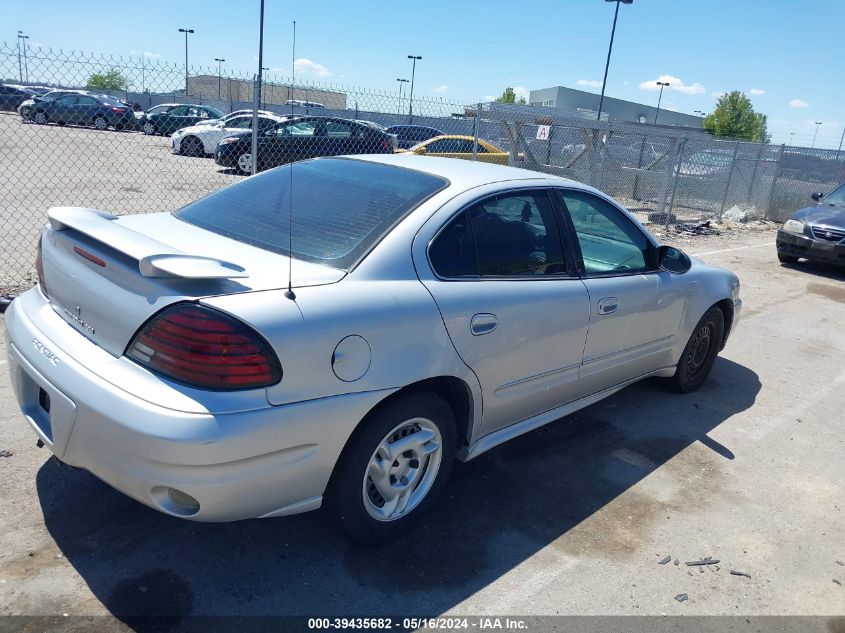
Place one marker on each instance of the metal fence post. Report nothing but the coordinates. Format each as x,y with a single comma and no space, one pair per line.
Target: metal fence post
635,192
728,186
677,171
754,175
476,125
667,176
778,169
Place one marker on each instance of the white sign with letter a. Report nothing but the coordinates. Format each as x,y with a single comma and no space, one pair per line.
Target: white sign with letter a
543,132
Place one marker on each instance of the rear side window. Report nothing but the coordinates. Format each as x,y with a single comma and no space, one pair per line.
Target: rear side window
511,235
341,208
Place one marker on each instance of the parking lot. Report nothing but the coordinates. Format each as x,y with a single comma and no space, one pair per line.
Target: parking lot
572,518
119,172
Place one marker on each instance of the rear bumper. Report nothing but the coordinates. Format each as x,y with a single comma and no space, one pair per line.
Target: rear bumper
270,461
816,250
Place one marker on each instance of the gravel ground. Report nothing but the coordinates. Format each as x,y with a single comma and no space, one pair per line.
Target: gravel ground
572,518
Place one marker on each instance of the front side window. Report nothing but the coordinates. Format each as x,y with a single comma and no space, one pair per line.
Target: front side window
341,208
513,234
67,100
610,242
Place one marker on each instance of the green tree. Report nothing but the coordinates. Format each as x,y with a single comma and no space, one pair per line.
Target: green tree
111,80
509,96
734,117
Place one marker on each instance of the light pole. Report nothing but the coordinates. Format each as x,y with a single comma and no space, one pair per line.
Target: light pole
817,124
186,31
256,96
700,112
411,99
791,135
219,61
401,81
22,44
662,85
610,50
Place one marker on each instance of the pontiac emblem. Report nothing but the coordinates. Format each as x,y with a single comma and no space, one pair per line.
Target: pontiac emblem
77,319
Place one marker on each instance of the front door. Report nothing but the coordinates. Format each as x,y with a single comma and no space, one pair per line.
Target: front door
635,308
511,302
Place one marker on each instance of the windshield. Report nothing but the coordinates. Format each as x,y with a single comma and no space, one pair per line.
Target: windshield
341,208
835,197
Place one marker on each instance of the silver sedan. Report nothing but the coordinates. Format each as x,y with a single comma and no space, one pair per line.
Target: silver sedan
340,330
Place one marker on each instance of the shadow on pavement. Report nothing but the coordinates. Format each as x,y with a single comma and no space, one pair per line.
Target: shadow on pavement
498,511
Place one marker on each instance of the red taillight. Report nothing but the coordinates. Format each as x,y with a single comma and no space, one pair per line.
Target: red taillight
118,110
205,348
385,145
39,267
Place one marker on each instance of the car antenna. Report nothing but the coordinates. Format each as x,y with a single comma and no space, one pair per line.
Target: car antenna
289,292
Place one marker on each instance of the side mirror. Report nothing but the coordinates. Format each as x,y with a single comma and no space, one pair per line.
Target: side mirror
817,196
673,260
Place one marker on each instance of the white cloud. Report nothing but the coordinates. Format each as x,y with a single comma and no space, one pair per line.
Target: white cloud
520,92
798,103
590,83
672,108
488,98
307,67
149,54
442,88
756,92
717,95
675,83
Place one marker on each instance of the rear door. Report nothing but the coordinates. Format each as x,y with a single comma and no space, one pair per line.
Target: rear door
85,109
511,301
635,308
292,141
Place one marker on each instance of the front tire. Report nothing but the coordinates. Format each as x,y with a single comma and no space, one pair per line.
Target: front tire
191,146
149,128
40,118
700,352
244,164
394,468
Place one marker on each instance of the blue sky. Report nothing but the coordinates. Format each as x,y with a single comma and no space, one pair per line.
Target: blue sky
783,54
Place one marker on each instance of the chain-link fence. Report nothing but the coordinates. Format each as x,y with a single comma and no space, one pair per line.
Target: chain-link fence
168,136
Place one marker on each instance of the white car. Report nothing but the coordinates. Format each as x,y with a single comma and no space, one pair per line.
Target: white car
201,140
234,114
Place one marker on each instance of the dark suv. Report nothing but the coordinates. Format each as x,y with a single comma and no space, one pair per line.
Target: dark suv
410,135
99,111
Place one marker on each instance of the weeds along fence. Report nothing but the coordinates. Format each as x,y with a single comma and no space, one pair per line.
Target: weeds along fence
83,151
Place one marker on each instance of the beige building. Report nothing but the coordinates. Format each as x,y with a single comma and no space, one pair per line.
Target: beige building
206,86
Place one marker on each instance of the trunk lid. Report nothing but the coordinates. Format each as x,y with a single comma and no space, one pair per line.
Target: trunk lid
106,275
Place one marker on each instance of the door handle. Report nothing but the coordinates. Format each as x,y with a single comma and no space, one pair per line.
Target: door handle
483,324
608,305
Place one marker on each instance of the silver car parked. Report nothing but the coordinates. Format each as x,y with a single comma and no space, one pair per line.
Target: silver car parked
431,310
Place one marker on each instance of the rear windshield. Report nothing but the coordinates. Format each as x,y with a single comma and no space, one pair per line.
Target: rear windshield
341,208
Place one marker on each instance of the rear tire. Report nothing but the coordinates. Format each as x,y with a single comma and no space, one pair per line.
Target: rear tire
101,123
394,468
787,259
700,352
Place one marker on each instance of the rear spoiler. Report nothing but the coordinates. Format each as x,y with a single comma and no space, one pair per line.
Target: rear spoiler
155,259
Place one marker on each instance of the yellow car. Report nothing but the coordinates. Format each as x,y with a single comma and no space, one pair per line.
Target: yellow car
457,146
